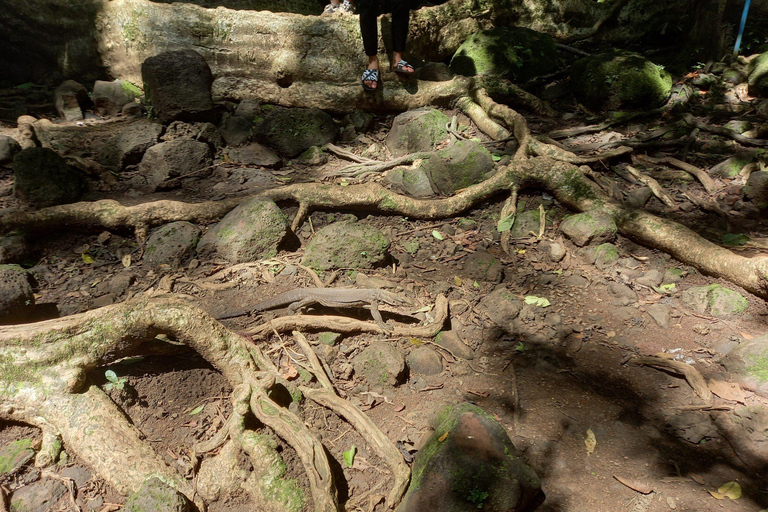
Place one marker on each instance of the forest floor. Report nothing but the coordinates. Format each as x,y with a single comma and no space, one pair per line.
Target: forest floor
567,387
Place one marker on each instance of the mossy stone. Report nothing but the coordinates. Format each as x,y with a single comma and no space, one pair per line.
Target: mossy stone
620,79
757,78
587,227
14,455
526,222
716,300
346,245
416,131
514,53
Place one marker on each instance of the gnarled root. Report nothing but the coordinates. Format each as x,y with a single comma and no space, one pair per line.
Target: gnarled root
43,382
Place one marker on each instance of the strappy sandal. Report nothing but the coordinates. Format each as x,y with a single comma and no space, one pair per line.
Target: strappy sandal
370,75
400,68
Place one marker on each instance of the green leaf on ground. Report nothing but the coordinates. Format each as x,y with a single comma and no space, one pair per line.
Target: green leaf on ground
197,410
111,376
506,223
437,234
735,239
349,456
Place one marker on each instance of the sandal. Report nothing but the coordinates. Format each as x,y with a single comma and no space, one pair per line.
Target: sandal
370,75
400,68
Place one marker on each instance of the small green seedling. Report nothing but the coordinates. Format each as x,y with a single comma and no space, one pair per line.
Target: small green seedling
115,382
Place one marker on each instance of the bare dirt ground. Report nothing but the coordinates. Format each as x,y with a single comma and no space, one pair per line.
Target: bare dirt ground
560,379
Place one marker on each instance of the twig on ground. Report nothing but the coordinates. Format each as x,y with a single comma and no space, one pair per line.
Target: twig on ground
657,190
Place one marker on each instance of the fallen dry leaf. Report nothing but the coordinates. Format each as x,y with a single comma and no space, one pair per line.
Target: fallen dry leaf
634,485
590,441
730,490
727,390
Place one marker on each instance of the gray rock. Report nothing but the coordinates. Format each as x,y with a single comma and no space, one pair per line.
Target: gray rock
414,181
128,145
255,154
132,109
71,99
27,136
620,79
749,360
381,364
434,72
606,255
328,338
638,197
235,130
585,228
8,148
576,281
483,266
40,496
469,463
157,496
168,160
250,110
716,300
556,251
14,248
451,341
762,109
673,275
178,85
120,282
515,53
110,97
526,222
660,313
43,178
651,279
746,429
250,232
201,132
313,156
624,293
756,188
360,121
502,307
425,361
346,245
416,131
292,131
459,166
172,244
757,76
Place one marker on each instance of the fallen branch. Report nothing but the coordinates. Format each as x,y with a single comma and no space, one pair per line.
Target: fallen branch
691,375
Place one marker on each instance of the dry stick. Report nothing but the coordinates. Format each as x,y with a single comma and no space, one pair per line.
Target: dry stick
343,153
725,132
509,208
699,174
691,374
654,186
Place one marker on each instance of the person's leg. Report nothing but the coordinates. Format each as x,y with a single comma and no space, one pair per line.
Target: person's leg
401,10
368,11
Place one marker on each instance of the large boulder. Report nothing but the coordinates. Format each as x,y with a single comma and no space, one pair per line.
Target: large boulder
294,130
620,79
70,99
250,232
172,244
469,463
757,78
346,245
168,160
178,86
463,164
514,53
417,130
748,362
110,97
43,178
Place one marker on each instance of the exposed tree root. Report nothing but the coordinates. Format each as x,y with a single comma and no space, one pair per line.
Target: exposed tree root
43,382
691,375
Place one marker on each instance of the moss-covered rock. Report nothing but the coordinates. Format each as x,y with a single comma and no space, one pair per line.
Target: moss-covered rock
463,164
757,78
417,130
469,463
749,359
157,496
292,131
43,178
584,228
14,454
606,255
15,290
620,79
346,245
381,364
716,300
732,166
250,232
515,53
526,222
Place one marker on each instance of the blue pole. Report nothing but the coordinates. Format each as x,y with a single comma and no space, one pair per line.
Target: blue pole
741,27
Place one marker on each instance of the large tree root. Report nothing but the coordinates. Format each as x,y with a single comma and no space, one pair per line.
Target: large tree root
43,382
561,179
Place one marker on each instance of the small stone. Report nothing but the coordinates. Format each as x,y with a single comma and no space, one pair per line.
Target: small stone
576,281
328,338
556,251
660,314
425,361
702,329
451,341
651,279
